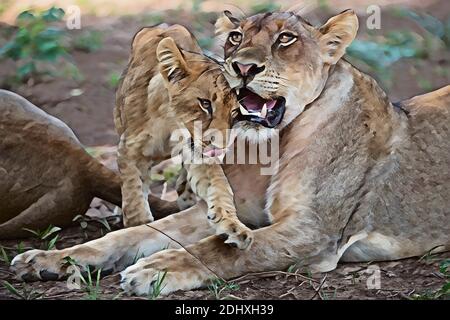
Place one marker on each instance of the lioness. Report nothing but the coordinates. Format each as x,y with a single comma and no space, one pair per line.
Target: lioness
165,88
359,179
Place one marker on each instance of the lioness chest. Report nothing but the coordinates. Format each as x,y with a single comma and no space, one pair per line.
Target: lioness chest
249,188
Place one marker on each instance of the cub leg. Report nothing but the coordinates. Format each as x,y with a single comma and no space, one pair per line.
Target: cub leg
186,197
210,183
274,248
117,249
134,175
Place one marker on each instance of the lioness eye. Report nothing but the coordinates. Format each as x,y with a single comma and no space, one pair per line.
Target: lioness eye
235,38
205,104
286,38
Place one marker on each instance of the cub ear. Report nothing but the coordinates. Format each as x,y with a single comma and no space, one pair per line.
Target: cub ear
226,22
172,65
337,34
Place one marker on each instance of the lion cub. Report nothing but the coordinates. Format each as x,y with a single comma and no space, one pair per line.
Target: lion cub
169,85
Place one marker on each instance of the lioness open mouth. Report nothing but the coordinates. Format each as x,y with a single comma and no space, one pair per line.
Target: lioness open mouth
254,108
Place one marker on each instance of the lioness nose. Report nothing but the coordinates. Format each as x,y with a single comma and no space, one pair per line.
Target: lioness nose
247,70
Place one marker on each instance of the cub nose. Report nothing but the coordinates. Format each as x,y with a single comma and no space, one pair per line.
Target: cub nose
247,70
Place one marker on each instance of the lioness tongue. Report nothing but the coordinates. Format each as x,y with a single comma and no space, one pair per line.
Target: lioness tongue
256,103
271,104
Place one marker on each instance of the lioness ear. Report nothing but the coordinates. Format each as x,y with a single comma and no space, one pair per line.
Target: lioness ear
226,23
172,64
337,34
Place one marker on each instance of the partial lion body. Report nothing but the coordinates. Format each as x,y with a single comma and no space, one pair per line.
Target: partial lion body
359,179
411,206
46,175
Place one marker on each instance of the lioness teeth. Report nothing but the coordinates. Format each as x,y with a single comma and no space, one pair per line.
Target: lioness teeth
246,112
243,110
264,111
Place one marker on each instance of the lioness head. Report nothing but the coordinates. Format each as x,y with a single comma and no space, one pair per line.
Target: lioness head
199,93
279,63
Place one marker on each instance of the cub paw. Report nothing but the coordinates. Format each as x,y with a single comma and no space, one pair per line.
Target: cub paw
231,229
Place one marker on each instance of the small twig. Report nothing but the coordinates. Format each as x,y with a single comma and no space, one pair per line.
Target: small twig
320,287
291,289
268,274
430,253
7,272
232,296
61,295
15,249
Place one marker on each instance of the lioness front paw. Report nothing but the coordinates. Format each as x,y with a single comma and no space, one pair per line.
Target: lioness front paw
38,265
163,273
229,227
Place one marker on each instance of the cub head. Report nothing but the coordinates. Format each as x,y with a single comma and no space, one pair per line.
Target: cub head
278,63
199,94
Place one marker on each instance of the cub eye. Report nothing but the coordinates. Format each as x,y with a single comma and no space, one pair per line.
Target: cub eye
205,105
235,38
286,38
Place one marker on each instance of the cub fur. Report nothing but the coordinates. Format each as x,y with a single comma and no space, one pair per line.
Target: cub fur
169,84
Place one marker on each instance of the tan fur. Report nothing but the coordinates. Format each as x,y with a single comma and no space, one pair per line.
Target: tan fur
158,94
46,175
359,179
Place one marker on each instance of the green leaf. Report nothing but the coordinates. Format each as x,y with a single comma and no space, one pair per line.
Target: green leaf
52,243
25,16
11,289
35,29
20,248
50,230
50,53
428,22
444,266
11,50
4,256
53,14
51,33
22,37
36,233
446,288
47,46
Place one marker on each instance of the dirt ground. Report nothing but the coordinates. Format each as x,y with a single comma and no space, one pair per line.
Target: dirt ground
405,279
86,106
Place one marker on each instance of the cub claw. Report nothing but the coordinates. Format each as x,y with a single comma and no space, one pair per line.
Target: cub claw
234,234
